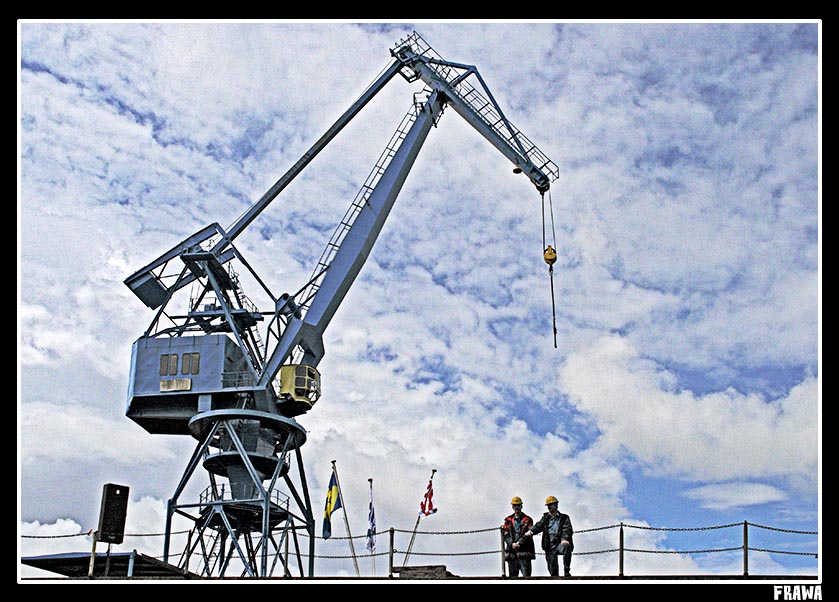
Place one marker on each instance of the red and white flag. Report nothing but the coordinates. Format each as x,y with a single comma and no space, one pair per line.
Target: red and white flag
427,503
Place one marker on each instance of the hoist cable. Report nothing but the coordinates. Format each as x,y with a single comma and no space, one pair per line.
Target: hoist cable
544,245
553,304
553,227
549,254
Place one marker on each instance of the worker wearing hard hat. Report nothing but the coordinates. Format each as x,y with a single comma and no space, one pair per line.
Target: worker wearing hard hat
557,537
519,550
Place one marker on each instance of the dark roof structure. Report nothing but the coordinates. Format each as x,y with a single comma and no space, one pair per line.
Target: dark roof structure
113,565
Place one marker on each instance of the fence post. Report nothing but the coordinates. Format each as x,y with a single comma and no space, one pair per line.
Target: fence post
620,553
92,556
390,556
745,548
503,564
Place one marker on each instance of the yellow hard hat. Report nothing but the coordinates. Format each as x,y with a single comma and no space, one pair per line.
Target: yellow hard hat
516,500
551,500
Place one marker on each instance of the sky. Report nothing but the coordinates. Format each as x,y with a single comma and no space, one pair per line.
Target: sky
683,391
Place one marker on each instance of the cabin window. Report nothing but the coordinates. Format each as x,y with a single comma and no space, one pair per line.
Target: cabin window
169,364
305,382
300,383
190,363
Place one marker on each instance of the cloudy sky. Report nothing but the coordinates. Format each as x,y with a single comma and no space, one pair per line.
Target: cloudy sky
684,388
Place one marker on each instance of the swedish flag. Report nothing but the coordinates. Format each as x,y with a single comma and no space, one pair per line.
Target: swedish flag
333,502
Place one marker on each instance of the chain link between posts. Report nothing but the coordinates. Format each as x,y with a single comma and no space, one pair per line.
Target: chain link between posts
496,551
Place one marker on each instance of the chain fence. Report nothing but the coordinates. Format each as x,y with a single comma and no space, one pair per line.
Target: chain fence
621,549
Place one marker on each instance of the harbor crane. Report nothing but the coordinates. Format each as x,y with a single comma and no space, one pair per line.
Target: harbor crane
236,377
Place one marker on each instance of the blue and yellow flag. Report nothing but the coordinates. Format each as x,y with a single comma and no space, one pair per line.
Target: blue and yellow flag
333,502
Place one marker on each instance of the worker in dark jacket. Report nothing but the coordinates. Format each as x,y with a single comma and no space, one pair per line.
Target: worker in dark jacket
519,550
557,537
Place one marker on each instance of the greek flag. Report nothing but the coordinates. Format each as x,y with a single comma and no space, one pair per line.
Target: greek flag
371,526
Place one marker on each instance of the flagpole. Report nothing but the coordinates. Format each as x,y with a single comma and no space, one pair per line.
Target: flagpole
414,533
411,543
346,521
372,552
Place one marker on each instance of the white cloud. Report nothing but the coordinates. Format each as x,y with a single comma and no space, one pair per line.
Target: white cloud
716,436
73,432
724,496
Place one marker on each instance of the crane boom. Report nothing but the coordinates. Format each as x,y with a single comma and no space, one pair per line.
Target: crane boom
244,221
153,292
449,87
356,246
297,322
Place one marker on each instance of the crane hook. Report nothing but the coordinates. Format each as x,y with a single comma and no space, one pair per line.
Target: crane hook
550,259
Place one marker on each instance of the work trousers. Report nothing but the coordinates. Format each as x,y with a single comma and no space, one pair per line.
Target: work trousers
552,558
519,565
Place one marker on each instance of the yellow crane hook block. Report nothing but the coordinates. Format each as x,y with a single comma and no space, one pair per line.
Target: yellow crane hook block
550,255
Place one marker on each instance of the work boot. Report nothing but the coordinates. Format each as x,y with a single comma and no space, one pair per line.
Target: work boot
568,572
